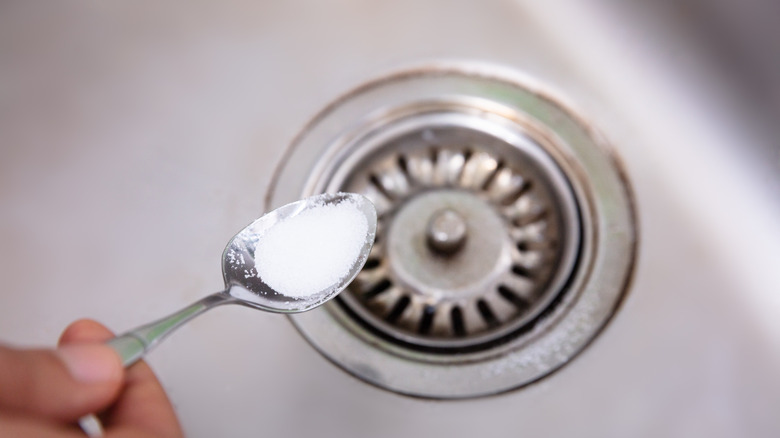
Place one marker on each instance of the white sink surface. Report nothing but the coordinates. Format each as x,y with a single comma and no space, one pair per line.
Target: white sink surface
135,141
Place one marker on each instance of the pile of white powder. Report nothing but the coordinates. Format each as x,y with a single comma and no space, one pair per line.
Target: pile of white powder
313,250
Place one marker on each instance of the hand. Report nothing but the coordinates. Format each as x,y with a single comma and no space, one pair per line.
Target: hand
43,393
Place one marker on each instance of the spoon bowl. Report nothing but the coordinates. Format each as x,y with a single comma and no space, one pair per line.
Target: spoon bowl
238,260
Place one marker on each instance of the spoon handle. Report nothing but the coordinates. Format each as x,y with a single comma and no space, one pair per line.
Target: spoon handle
132,346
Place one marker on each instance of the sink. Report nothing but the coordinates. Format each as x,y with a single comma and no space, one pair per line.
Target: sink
137,140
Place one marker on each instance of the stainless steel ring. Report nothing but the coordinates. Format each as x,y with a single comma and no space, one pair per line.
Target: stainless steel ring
343,147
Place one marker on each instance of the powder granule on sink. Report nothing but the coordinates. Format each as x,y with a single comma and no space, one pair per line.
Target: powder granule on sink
313,250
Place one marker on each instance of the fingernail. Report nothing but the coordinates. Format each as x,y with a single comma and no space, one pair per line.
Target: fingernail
91,363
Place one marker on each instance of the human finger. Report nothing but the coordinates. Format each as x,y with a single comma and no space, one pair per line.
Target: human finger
143,407
29,427
85,331
63,384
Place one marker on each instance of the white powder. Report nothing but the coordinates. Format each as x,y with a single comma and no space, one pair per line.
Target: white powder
313,250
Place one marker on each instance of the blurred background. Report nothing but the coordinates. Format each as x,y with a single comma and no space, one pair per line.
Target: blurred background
136,138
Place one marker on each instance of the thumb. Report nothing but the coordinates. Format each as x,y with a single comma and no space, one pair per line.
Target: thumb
61,384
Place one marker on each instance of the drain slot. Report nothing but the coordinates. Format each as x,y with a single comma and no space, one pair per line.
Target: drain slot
458,326
513,297
379,288
487,314
398,309
427,320
522,271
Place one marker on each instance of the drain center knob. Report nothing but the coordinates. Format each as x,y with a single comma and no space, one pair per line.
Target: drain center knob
446,232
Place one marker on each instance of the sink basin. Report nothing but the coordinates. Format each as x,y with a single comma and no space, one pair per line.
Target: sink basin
137,140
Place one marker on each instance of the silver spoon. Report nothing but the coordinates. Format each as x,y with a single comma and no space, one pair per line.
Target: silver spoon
242,284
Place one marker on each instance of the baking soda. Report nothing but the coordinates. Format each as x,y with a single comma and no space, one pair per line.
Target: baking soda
308,253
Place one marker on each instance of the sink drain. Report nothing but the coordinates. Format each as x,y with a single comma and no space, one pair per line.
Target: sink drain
479,231
505,239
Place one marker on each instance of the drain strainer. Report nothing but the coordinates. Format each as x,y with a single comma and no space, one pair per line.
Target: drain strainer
506,231
479,231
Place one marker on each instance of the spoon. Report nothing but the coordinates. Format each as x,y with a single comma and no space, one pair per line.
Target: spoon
242,283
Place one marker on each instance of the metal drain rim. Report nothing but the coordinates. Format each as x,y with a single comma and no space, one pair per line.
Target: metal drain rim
601,282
